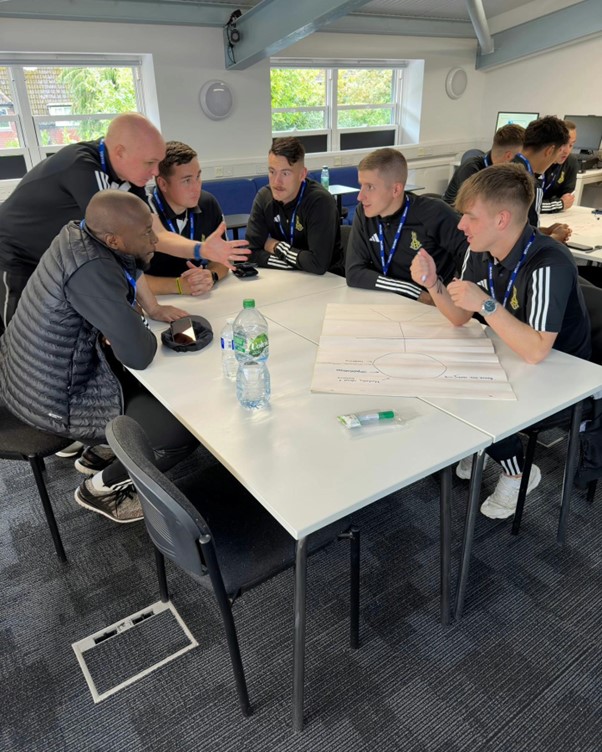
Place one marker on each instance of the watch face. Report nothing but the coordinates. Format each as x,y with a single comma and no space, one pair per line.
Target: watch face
489,306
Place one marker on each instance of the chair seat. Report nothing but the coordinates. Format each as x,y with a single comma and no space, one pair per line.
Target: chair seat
19,441
251,545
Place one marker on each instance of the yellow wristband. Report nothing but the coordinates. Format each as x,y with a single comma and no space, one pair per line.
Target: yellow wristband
179,286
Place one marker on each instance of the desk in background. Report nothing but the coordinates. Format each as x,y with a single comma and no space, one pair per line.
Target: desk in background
586,178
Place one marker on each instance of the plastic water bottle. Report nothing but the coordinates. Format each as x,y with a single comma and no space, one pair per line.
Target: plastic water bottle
252,347
229,362
253,387
250,334
325,177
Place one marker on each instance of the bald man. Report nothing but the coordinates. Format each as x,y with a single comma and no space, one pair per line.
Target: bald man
59,188
77,325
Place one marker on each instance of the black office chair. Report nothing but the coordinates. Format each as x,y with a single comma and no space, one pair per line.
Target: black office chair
592,409
470,154
18,441
218,534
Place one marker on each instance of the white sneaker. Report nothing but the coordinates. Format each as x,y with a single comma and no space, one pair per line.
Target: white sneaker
73,450
502,502
464,467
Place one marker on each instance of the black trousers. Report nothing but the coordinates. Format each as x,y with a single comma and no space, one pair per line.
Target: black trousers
167,436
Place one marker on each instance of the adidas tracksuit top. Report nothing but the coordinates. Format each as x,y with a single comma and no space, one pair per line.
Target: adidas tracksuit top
430,224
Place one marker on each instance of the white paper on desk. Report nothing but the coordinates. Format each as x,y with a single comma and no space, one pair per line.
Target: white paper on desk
405,351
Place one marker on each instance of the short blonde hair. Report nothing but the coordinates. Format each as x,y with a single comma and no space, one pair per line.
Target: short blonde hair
505,186
390,163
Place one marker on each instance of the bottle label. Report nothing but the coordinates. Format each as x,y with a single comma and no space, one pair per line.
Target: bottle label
253,347
227,344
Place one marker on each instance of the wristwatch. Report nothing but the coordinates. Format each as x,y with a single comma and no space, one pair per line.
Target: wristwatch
214,277
488,307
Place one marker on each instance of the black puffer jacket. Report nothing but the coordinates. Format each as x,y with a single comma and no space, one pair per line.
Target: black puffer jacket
53,372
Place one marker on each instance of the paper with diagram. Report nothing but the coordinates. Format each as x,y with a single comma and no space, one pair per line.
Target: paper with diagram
406,350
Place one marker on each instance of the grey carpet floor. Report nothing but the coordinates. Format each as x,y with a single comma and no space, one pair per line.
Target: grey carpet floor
521,671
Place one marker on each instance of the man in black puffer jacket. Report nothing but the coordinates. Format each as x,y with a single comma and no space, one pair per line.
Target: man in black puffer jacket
57,371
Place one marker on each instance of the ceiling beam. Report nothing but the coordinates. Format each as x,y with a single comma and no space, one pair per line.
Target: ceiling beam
361,23
273,25
120,11
572,24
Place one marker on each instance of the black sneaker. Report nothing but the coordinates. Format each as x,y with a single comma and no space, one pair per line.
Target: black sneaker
94,460
120,503
71,451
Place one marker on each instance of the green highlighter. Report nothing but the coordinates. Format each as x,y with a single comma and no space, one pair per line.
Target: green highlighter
355,420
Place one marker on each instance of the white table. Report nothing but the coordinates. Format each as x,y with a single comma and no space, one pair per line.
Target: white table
586,178
542,390
587,230
294,457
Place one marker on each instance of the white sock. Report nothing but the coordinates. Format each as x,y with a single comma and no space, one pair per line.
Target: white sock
98,484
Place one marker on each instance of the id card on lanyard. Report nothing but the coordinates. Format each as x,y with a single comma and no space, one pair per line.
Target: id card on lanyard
385,264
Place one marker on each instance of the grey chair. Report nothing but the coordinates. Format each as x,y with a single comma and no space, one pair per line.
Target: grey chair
218,534
18,441
470,154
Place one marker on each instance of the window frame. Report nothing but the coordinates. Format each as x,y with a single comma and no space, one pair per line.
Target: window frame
332,131
28,124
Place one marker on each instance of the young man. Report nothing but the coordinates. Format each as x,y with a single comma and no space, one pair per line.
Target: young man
58,190
294,222
561,178
77,325
390,226
545,141
525,286
184,210
507,142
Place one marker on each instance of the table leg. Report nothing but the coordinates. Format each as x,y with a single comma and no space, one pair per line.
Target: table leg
339,199
299,633
234,233
474,494
570,467
445,543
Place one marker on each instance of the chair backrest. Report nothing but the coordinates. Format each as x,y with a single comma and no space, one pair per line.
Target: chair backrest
173,523
593,302
470,154
345,233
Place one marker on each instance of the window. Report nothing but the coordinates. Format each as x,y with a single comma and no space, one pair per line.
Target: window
336,108
44,107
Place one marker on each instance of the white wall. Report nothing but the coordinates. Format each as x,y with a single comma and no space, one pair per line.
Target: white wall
559,82
184,58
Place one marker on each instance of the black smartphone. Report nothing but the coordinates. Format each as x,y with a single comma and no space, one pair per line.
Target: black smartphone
182,331
245,269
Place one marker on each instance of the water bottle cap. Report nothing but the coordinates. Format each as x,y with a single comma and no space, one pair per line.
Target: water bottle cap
248,303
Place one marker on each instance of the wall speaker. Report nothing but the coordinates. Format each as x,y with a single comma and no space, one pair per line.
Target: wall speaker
216,100
455,83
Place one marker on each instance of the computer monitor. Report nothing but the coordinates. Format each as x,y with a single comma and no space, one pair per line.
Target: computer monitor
515,118
589,132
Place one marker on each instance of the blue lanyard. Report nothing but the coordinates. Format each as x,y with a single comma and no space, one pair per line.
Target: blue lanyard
128,276
102,152
170,224
553,178
293,216
381,238
486,161
512,276
526,162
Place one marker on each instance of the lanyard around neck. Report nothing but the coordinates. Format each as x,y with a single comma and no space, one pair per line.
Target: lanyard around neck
293,216
512,276
381,239
526,162
172,227
486,161
102,153
553,178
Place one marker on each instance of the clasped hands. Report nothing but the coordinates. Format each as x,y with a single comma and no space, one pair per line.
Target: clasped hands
465,295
